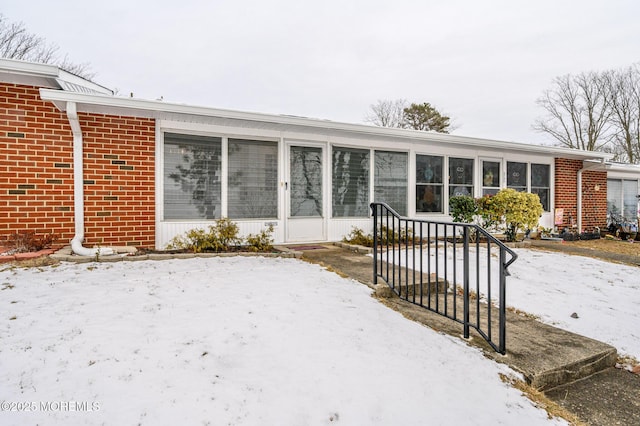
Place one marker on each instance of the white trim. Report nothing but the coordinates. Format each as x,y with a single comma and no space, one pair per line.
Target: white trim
224,177
159,184
162,110
52,75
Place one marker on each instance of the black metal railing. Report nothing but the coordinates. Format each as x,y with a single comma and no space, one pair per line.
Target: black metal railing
452,269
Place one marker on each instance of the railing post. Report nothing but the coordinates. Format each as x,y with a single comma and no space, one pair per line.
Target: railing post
465,280
503,301
374,212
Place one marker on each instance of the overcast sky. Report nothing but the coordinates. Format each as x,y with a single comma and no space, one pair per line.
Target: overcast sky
484,63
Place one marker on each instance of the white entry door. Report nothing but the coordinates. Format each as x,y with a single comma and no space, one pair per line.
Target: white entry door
305,194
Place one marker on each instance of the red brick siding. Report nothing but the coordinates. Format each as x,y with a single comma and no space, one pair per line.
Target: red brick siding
119,179
594,194
36,172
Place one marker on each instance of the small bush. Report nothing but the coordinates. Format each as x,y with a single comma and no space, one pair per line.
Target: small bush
28,241
358,237
226,232
521,211
222,236
463,208
490,211
261,242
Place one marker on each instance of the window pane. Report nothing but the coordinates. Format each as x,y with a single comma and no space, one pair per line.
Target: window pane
306,181
614,196
191,177
540,176
429,198
540,183
428,169
630,199
390,179
491,174
350,182
460,171
517,176
460,177
253,179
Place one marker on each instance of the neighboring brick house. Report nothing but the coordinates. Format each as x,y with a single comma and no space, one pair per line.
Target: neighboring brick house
80,162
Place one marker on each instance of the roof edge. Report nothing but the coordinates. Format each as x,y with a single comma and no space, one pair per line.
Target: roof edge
52,75
136,104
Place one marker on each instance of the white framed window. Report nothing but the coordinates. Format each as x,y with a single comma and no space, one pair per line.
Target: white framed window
491,177
429,183
350,182
253,179
541,184
622,198
517,176
192,177
390,179
460,177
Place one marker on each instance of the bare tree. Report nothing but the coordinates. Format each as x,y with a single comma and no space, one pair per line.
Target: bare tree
578,113
18,43
387,113
624,101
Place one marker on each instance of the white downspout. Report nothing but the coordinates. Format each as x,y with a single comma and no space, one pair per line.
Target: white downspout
78,189
579,206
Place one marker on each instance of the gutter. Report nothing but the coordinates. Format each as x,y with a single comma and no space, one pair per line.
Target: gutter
601,166
78,189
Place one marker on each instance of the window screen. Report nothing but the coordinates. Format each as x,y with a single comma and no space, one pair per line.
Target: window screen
390,179
350,178
191,177
630,199
253,179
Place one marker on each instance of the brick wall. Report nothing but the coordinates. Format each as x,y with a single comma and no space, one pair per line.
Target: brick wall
36,172
119,180
594,194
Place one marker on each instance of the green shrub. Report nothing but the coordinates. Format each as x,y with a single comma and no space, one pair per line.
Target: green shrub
490,212
463,208
261,242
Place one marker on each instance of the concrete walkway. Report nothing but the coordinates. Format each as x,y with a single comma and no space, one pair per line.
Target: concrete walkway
575,371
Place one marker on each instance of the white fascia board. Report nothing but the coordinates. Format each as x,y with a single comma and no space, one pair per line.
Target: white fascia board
160,109
28,68
624,170
48,75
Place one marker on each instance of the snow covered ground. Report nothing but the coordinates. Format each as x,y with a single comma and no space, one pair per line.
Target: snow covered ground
554,286
246,341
